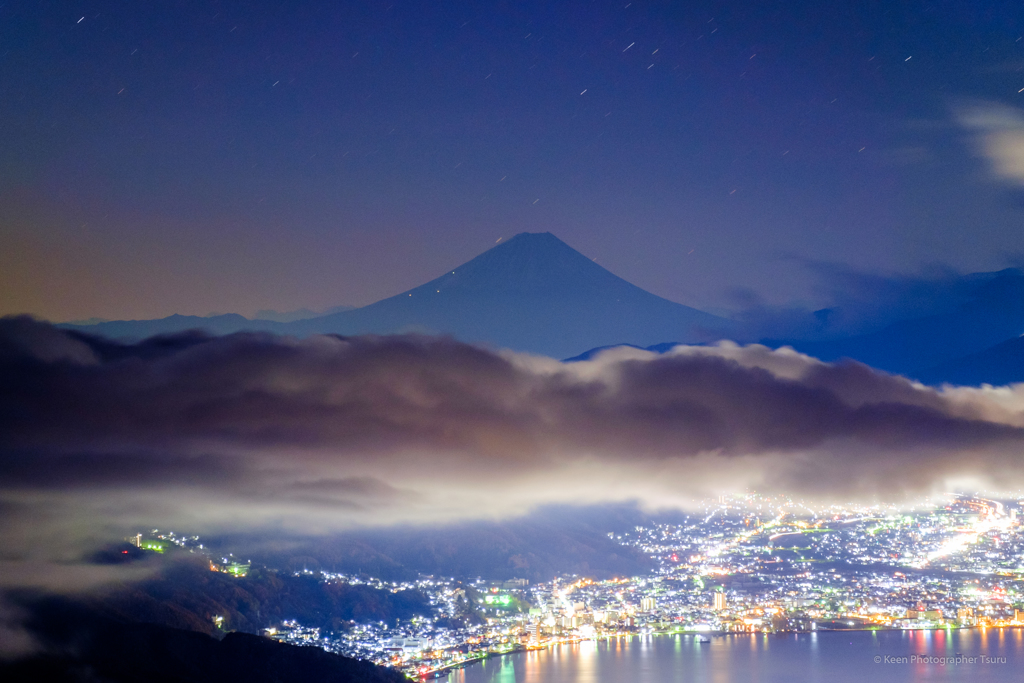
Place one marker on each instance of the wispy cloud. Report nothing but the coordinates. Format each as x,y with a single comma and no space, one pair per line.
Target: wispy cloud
999,135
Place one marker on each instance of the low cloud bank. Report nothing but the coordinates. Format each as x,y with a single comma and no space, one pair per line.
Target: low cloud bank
253,430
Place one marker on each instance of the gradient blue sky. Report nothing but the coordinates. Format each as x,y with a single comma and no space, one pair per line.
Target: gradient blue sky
229,156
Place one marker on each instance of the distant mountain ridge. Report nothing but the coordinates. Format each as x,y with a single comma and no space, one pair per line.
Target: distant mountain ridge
141,329
300,314
975,342
921,347
592,353
535,293
532,293
998,365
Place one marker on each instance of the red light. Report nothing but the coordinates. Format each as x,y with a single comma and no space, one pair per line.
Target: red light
124,552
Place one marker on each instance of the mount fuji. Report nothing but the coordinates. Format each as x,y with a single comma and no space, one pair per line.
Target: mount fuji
532,293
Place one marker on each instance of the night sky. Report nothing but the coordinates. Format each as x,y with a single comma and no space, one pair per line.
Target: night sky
194,157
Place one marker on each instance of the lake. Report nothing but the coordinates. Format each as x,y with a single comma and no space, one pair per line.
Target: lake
825,657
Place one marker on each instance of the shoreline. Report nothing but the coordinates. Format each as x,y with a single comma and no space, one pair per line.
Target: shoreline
519,649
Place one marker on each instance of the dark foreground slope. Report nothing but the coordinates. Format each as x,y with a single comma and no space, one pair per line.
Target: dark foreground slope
78,645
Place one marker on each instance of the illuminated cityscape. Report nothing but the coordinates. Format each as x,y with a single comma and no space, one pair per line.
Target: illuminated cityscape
745,564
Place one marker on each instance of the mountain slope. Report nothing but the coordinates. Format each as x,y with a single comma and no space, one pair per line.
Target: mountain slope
532,293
